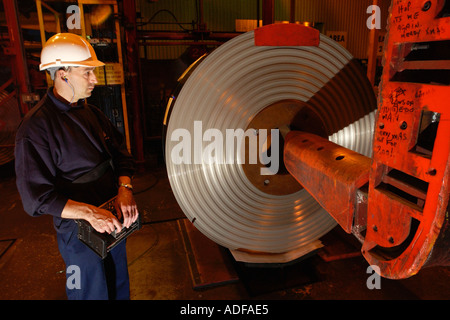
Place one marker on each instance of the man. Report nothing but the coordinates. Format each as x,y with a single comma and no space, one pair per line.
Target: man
69,160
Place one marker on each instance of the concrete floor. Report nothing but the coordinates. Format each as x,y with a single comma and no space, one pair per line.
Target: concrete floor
161,261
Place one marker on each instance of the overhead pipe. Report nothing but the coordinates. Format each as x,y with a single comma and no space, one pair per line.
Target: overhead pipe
201,33
181,43
177,35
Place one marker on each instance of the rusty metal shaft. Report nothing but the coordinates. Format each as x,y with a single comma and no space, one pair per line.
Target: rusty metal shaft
331,173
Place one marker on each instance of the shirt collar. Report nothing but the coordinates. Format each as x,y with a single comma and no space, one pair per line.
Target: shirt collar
64,106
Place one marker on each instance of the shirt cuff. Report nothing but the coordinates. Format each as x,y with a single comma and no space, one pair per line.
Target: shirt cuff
56,207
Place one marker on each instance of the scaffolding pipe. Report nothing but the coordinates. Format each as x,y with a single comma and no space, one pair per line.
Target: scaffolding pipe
132,49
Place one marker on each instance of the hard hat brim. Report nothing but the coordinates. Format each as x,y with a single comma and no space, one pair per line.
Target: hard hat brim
62,64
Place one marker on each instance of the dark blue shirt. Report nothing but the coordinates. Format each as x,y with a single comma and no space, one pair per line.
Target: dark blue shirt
58,142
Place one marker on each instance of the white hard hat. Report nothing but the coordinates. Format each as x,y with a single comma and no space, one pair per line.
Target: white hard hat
68,50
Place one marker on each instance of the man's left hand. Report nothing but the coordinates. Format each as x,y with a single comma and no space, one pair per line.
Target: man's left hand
126,206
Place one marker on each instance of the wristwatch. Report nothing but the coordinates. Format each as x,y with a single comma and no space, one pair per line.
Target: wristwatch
126,185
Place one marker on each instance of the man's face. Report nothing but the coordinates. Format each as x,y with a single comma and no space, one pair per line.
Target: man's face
83,81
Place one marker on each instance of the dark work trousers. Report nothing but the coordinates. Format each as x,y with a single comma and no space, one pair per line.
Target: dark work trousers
105,279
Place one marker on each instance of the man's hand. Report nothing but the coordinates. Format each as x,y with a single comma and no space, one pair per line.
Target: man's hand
104,221
126,206
100,219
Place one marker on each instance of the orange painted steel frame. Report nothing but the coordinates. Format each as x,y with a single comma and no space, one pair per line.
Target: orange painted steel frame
397,202
415,92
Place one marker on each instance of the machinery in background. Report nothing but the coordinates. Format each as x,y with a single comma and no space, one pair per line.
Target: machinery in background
15,91
24,85
395,202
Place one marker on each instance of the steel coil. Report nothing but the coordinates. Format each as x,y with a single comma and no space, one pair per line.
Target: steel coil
226,91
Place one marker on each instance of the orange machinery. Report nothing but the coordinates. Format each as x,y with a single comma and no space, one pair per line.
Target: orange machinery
396,203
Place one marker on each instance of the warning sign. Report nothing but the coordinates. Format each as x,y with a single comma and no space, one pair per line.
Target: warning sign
114,74
338,36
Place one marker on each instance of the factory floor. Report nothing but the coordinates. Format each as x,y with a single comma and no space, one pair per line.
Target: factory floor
169,260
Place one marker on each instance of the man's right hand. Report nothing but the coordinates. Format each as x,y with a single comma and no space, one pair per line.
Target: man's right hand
100,219
103,221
